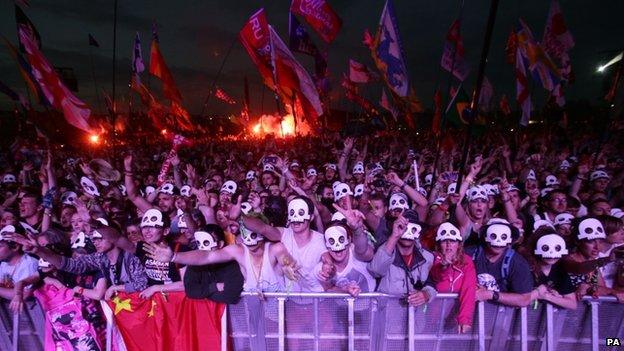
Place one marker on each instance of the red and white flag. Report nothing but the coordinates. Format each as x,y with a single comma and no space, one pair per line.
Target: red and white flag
557,40
76,112
292,79
522,89
359,73
320,16
386,104
256,40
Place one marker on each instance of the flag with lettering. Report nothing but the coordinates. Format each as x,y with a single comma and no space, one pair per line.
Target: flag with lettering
255,39
320,16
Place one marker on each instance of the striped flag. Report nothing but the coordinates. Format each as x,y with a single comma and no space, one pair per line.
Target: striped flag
223,96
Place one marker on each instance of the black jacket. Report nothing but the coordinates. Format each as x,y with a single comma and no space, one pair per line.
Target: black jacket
200,282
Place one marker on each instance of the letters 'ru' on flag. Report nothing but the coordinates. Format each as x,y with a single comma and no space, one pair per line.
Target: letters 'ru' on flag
320,16
453,55
388,54
255,39
76,112
292,80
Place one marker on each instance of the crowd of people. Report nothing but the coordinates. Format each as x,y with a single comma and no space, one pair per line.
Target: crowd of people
532,218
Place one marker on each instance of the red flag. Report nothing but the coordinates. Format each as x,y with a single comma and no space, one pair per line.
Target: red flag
76,112
255,38
359,73
557,40
453,55
522,89
158,68
437,113
183,117
368,39
510,48
167,324
292,79
223,96
385,103
504,105
320,16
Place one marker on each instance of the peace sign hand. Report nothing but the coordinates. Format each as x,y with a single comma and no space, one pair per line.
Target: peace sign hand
355,218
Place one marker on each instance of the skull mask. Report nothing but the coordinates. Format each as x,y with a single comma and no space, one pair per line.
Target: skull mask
185,191
477,193
422,191
412,231
487,281
336,238
298,211
311,173
531,175
398,201
447,231
43,263
428,179
359,190
341,190
9,178
563,218
204,241
358,168
89,186
551,181
229,187
246,208
182,222
551,246
166,188
337,216
251,175
68,197
152,218
268,168
590,228
80,241
149,190
498,235
491,189
250,238
451,188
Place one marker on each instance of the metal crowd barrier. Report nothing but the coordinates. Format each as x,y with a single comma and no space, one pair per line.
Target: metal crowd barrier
379,322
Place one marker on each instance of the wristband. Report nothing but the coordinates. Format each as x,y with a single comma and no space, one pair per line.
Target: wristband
495,296
173,257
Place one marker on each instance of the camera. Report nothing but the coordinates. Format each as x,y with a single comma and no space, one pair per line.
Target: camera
270,159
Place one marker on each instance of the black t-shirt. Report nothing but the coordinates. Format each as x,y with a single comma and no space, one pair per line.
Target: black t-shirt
489,274
557,279
159,273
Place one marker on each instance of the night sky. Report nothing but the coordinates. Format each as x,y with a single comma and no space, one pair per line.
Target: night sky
195,36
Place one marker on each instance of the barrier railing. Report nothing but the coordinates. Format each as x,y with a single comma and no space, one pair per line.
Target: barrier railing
379,322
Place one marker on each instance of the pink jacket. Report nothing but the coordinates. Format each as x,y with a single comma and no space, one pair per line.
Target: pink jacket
460,280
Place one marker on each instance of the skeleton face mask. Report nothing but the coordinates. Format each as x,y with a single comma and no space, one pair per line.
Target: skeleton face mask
412,231
149,190
477,193
358,168
428,179
551,246
487,281
204,241
591,228
268,168
491,189
250,238
498,235
398,201
68,197
531,175
359,190
337,216
246,208
89,186
251,175
229,187
451,188
542,223
80,241
185,191
167,188
43,263
298,211
9,178
422,191
311,173
341,190
182,222
152,218
336,238
552,181
563,218
598,175
447,231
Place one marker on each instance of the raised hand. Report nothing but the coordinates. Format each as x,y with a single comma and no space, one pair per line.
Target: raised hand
399,226
355,218
159,252
128,163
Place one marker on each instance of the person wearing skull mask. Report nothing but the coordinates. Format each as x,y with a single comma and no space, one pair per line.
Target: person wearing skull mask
260,262
552,282
583,265
503,275
453,272
303,243
14,264
402,265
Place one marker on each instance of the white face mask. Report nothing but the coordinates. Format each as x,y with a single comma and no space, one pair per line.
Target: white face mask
298,211
551,246
250,238
336,238
412,231
205,241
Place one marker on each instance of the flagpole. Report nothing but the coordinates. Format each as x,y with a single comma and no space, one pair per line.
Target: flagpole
114,109
97,90
214,81
474,104
294,113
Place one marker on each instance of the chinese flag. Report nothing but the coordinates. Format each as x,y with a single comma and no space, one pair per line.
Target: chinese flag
169,323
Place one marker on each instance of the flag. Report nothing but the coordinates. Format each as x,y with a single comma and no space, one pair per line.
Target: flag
510,48
388,53
522,89
436,123
183,118
159,68
292,79
223,96
8,92
503,104
387,105
247,104
455,113
487,92
368,39
93,42
359,73
26,72
76,112
557,40
25,25
255,39
453,55
320,16
298,38
137,56
542,68
167,322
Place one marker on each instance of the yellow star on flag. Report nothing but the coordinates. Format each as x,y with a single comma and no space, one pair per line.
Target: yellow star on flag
121,305
151,311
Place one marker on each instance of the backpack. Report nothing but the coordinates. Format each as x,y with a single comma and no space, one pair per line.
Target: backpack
509,253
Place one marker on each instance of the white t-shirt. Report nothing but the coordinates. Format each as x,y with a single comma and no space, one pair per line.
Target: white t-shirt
609,270
24,268
355,271
307,257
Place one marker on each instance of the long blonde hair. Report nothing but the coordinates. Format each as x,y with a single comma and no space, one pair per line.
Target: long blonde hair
458,260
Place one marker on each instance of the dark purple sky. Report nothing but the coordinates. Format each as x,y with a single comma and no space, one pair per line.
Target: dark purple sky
195,35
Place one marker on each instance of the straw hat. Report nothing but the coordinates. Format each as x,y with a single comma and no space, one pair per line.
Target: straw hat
104,171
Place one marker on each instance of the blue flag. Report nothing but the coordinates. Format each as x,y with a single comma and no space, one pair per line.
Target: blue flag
299,39
137,57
